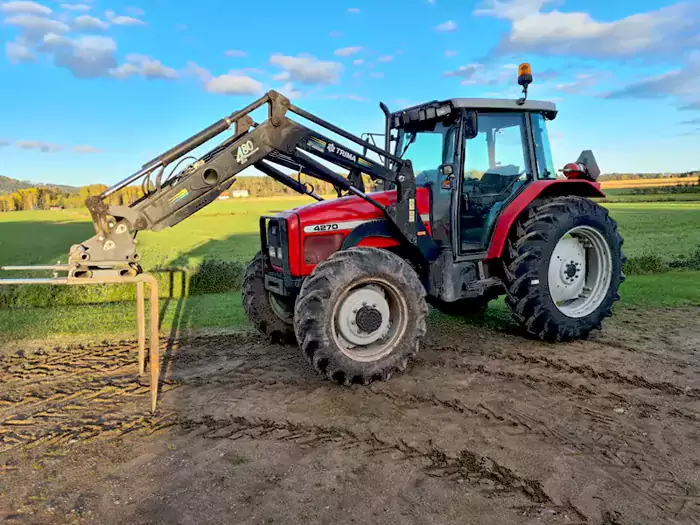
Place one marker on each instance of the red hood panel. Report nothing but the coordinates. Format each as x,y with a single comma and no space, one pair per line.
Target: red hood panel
354,208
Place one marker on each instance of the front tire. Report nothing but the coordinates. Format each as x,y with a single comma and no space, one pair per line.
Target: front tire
271,314
563,265
360,315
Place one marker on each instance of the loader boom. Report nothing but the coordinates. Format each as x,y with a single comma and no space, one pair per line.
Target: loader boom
278,141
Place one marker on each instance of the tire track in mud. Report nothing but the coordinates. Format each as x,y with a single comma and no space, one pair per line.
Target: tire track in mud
629,466
534,370
466,466
54,410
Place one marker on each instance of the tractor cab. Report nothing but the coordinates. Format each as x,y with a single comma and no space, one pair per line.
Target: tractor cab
475,155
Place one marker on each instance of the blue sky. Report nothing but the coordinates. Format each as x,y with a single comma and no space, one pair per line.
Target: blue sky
92,89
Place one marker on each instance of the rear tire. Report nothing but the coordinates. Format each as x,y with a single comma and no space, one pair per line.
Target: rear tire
360,315
563,265
269,313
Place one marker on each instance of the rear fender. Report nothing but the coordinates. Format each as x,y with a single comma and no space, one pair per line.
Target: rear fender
536,190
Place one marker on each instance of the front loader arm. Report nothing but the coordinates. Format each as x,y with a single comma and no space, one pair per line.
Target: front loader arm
278,140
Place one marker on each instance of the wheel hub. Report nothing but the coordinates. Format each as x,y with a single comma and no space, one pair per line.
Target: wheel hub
368,319
363,319
571,270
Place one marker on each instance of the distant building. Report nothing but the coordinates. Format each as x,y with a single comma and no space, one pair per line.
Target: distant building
237,194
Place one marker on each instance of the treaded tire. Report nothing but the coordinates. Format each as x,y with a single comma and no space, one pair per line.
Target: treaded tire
527,258
325,289
256,303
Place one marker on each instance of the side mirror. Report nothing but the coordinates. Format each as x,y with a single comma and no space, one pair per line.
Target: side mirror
471,126
447,170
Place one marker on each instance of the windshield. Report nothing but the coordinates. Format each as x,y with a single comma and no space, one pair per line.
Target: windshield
499,148
427,149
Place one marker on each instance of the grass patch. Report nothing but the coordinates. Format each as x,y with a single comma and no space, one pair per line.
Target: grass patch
225,311
178,316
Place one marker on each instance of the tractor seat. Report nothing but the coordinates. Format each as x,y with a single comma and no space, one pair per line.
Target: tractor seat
497,180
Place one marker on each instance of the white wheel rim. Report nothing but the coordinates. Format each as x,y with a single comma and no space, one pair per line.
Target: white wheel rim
377,306
580,271
280,309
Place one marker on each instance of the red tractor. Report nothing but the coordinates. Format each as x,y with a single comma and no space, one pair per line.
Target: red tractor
466,206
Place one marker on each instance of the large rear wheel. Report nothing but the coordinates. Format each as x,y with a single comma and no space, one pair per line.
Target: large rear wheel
564,265
360,315
271,314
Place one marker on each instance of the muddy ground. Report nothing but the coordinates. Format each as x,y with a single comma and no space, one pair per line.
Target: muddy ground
484,427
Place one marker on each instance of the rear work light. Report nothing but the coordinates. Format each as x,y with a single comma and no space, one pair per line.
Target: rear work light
319,247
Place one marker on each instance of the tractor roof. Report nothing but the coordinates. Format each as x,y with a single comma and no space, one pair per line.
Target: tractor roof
505,104
430,110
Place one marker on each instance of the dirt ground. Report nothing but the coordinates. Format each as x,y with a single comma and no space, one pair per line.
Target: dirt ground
484,427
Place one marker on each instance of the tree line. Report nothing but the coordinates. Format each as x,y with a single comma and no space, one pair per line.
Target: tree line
633,176
49,197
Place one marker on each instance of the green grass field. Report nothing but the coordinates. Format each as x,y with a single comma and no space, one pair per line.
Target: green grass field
228,230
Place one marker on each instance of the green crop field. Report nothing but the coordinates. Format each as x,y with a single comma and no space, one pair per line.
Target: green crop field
228,231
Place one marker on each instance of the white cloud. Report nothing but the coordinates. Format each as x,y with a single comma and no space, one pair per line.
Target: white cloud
582,81
109,14
465,71
494,75
377,74
691,106
290,91
450,53
306,69
18,53
144,66
127,21
85,57
35,27
347,51
447,26
664,31
385,58
353,10
75,7
335,34
85,150
358,62
23,7
44,147
136,11
233,85
681,85
235,53
198,71
52,41
90,22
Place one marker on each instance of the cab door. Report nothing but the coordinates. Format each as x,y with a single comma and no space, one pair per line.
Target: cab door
497,163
